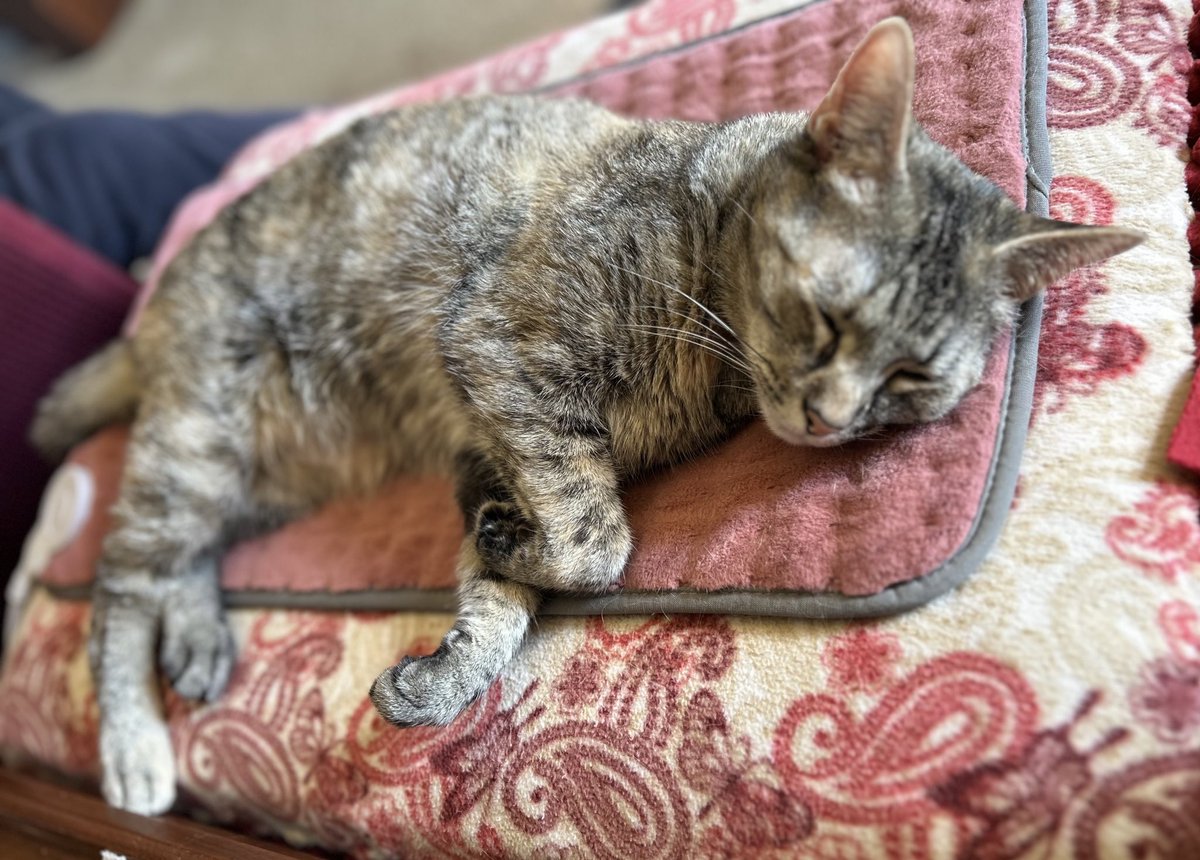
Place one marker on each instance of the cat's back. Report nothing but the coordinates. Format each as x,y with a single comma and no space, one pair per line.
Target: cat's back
416,193
440,155
414,182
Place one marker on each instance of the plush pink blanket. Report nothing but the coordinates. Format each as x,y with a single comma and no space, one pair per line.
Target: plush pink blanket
757,513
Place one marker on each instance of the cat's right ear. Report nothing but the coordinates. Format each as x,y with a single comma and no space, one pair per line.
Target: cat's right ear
1049,250
861,126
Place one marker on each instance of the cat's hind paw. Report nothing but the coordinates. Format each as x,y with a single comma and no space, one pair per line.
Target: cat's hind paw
500,529
197,652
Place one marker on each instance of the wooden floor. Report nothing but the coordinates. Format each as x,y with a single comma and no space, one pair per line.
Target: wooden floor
42,820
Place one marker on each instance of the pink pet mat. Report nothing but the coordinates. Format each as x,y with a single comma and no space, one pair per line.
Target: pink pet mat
757,521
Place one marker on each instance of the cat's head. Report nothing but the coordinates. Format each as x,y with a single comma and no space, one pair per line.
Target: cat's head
881,268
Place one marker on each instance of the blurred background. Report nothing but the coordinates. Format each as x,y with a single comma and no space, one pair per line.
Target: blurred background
160,55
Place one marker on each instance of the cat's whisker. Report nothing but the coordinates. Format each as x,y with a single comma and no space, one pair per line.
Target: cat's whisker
699,341
706,310
745,211
676,289
716,342
737,343
709,345
741,342
703,307
699,322
714,272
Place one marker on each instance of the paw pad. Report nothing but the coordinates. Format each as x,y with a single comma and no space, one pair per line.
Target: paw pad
500,529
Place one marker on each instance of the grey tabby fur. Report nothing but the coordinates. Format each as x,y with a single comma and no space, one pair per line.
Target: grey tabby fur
545,300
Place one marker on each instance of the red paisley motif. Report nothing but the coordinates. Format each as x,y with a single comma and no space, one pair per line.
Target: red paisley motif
841,846
1091,80
1024,800
1076,355
1149,809
861,659
640,674
273,698
616,791
35,692
397,757
244,753
1149,29
708,751
310,734
1161,537
1089,83
1166,699
523,68
686,20
231,751
336,783
396,833
748,813
1108,58
754,819
1165,111
471,764
1180,623
946,716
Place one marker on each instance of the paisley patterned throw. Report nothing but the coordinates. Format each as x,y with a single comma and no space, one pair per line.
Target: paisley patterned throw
1050,708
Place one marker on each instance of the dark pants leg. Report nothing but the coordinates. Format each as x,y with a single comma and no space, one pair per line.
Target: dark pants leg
106,182
108,179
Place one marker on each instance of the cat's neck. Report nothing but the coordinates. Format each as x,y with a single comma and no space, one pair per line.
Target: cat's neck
729,176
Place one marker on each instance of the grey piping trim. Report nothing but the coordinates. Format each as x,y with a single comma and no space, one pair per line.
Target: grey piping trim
989,520
625,65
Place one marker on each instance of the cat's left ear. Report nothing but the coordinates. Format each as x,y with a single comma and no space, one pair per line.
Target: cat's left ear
1053,249
861,126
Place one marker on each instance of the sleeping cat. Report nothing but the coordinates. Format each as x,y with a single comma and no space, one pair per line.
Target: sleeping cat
545,300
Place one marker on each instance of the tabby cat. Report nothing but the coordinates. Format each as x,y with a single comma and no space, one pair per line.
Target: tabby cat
544,300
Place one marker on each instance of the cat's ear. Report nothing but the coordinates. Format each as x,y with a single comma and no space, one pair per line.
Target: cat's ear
1050,250
861,126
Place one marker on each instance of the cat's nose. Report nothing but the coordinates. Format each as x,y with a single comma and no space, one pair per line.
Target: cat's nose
817,425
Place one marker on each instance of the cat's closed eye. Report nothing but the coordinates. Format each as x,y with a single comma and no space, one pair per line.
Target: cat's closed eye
831,339
903,377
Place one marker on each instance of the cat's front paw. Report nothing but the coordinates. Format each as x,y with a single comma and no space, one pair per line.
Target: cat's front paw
424,691
137,765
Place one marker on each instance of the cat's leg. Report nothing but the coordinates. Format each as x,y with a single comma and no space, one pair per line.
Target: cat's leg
493,617
580,541
196,651
545,515
564,528
180,486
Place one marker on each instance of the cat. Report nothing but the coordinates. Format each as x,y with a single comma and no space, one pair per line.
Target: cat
544,300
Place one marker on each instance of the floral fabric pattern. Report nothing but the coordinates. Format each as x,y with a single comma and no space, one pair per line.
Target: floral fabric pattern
1050,708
